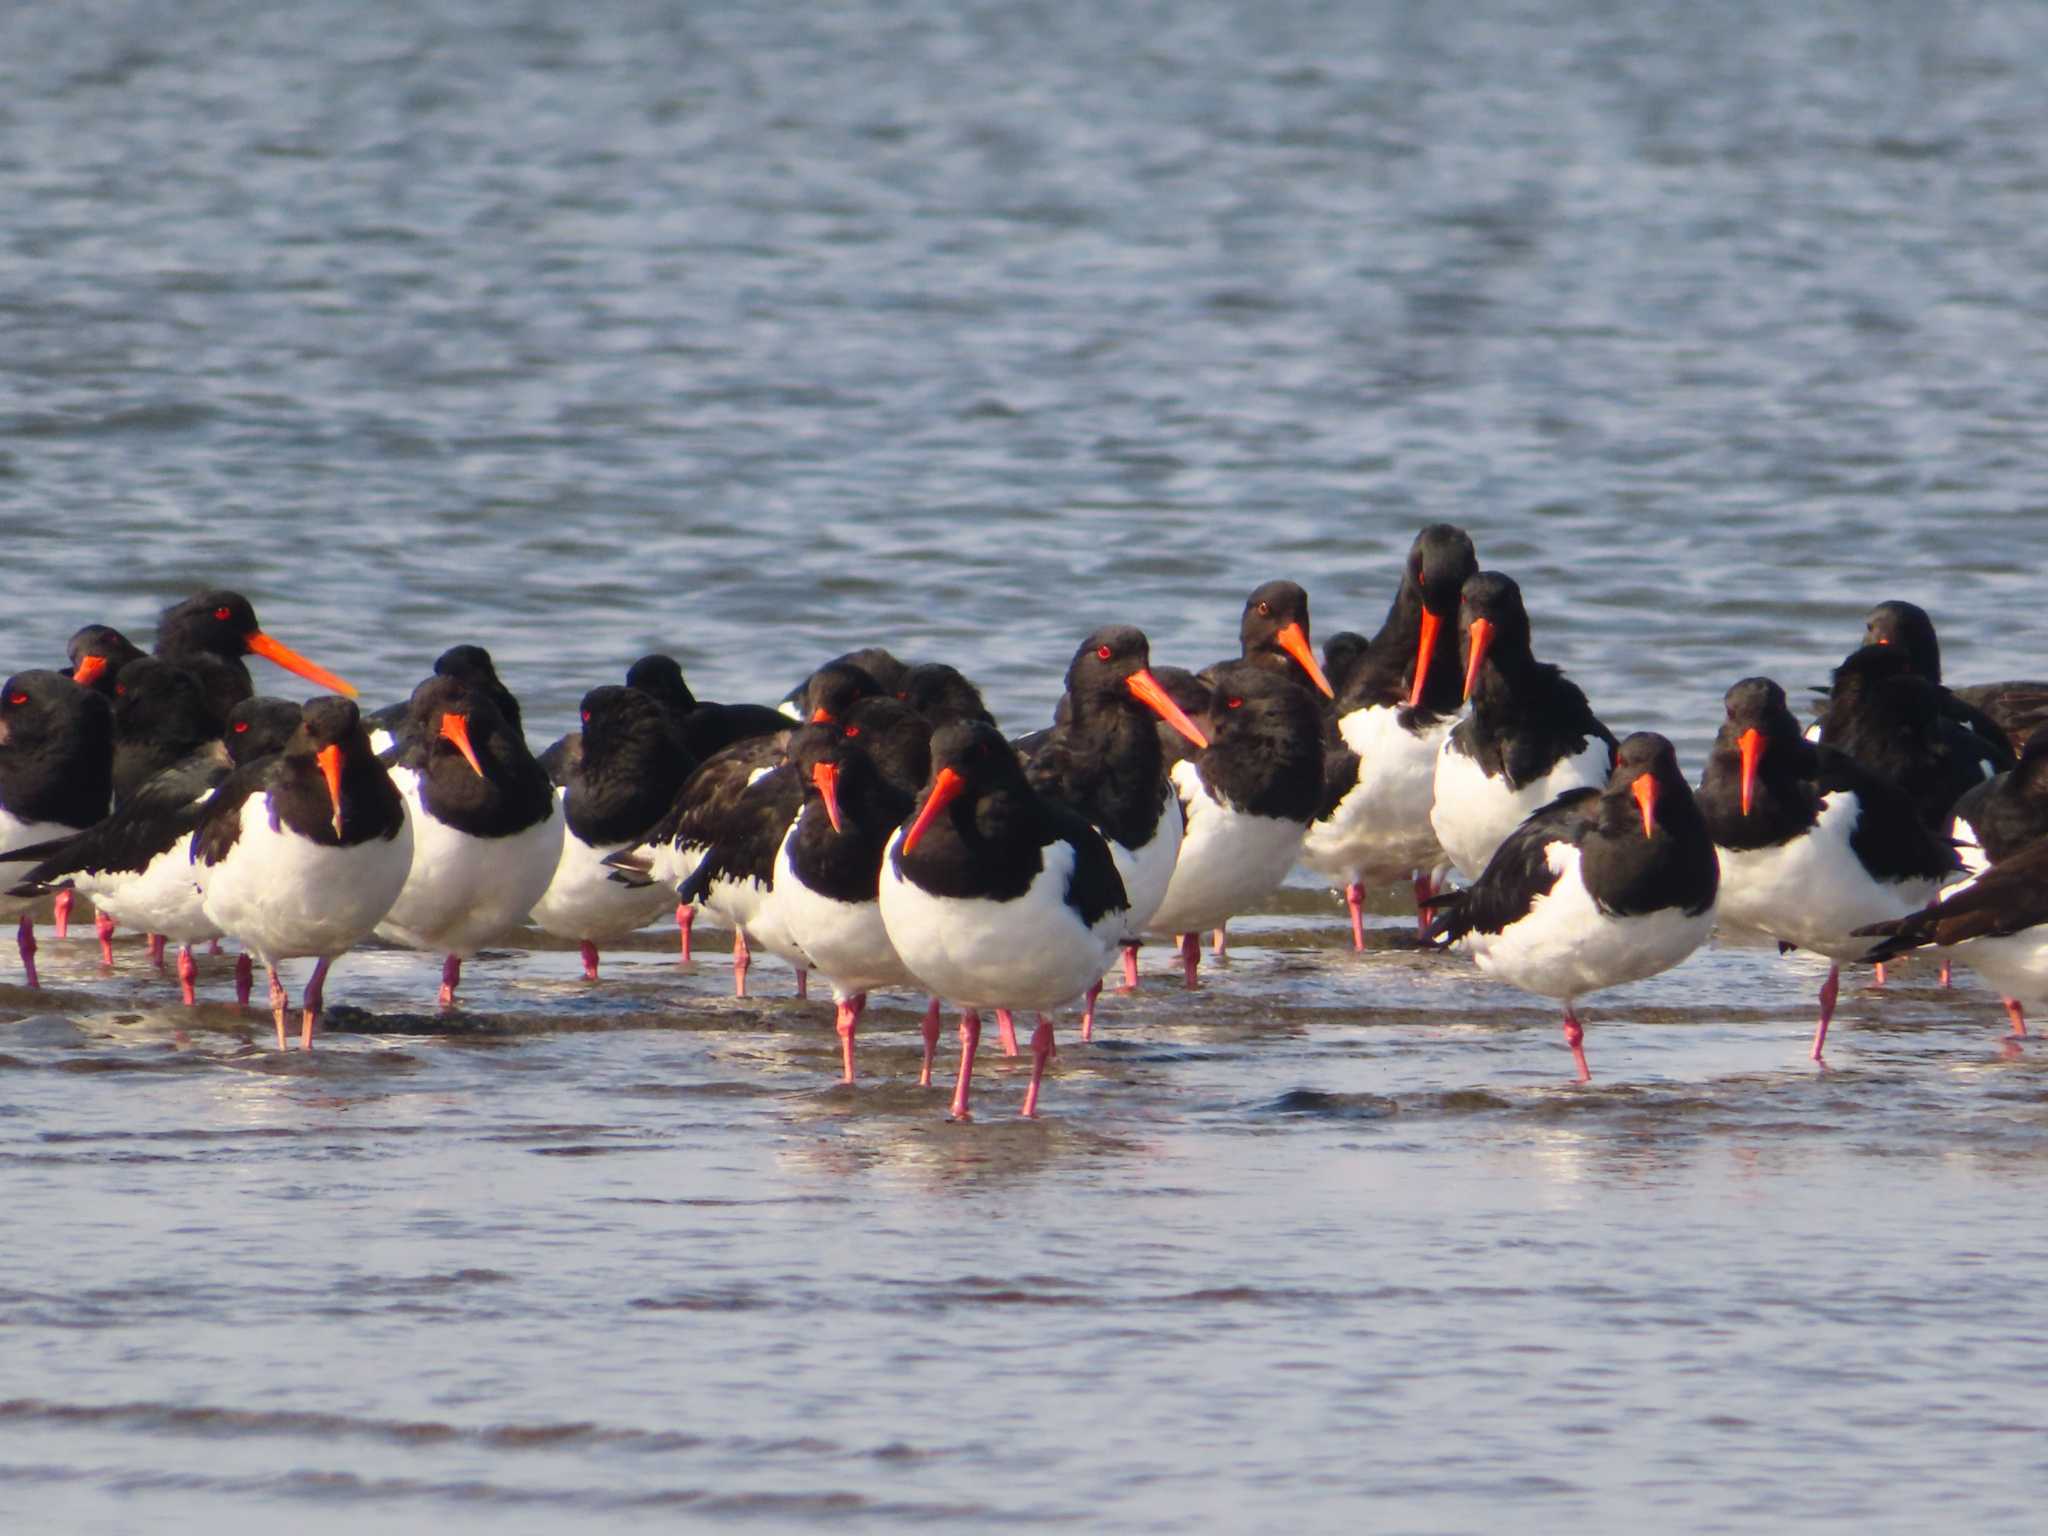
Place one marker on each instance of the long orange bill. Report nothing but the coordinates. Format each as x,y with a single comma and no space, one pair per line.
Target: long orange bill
1423,652
456,728
821,716
292,661
1295,643
946,789
826,777
1160,702
329,759
1482,640
1645,791
88,670
1751,742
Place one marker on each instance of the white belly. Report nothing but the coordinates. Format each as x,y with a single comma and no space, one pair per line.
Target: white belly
464,891
1380,830
164,898
1566,946
1228,861
1472,814
1813,891
283,896
845,941
583,902
16,833
2017,965
1148,871
1030,953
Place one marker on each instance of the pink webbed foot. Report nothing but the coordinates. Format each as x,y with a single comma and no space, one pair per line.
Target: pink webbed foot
103,926
1354,902
1006,1031
245,980
1130,967
1088,1010
1945,978
970,1042
1575,1037
25,938
1880,973
451,977
188,975
588,951
741,959
686,918
1042,1051
1829,991
60,918
846,1022
931,1042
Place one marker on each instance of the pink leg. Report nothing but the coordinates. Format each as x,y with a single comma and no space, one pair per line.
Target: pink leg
1575,1037
451,977
315,1001
803,984
1131,967
61,918
188,975
279,1004
1829,991
156,950
2017,1014
1354,899
740,961
931,1042
847,1022
25,936
103,925
1880,973
1190,958
1945,978
970,1042
588,951
1006,1030
1088,1010
686,916
1217,942
1425,887
245,979
214,948
1042,1050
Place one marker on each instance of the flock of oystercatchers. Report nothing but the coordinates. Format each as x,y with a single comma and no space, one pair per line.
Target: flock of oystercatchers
878,829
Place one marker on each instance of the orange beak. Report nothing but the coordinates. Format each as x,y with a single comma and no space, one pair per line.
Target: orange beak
1881,640
329,759
1482,640
1645,791
821,716
826,777
1423,652
262,645
946,789
456,729
1294,642
1751,742
89,670
1160,702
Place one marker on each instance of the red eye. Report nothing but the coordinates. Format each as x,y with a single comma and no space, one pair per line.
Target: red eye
1233,703
853,730
586,717
241,726
223,614
903,698
1102,651
1265,607
120,688
22,698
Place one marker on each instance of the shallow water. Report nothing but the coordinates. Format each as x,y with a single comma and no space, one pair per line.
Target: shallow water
757,336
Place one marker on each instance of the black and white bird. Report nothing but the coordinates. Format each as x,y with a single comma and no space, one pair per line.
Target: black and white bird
1529,736
214,631
135,865
1104,760
1600,887
56,777
1896,724
996,896
1996,923
97,653
302,853
706,727
1246,801
2012,710
2007,812
486,829
470,664
624,772
1813,846
1393,715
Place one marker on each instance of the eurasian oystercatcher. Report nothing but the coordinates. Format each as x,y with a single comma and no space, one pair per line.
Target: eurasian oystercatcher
470,664
1393,716
1894,722
706,727
1996,923
2011,711
302,852
1530,735
1812,845
56,776
222,626
98,653
486,833
997,897
1600,887
1246,801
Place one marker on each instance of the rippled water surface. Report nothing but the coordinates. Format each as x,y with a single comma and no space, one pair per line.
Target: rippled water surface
754,333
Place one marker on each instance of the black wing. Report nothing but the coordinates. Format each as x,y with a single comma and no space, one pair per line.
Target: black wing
745,841
152,821
1890,839
220,819
711,794
2006,899
1518,872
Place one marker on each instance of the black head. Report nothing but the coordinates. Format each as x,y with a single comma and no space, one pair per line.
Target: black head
1249,701
613,714
160,700
662,677
942,694
43,709
832,690
1905,627
970,762
1440,562
879,664
896,738
1344,653
1758,703
1107,657
1647,785
224,624
258,727
1491,623
448,719
1275,629
1873,666
330,722
98,653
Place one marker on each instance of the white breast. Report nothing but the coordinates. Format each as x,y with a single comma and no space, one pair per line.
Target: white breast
846,941
1148,871
16,833
1229,860
1472,814
582,900
1380,830
166,897
283,896
464,891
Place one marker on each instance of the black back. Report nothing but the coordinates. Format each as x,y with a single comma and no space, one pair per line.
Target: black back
2009,898
161,716
742,825
1891,720
706,727
299,800
1526,716
626,769
1105,761
2010,812
56,750
942,694
1265,752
